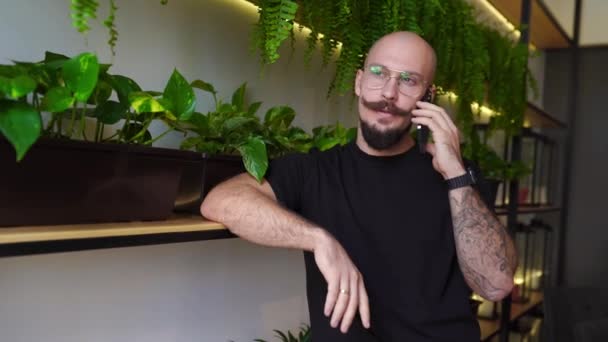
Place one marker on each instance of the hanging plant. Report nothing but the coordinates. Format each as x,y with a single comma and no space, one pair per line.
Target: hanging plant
82,11
474,61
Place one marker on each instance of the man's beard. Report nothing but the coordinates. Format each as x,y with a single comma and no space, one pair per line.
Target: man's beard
383,140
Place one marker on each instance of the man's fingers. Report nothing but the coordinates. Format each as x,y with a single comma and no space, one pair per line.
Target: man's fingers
353,302
332,296
341,303
363,305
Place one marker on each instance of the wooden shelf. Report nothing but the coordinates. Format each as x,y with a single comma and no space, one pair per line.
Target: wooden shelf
537,117
545,31
489,328
529,210
62,238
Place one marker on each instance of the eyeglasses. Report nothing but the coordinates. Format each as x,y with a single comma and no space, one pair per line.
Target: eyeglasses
409,83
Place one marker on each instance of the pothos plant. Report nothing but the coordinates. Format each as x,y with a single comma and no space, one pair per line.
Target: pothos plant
233,128
304,335
72,91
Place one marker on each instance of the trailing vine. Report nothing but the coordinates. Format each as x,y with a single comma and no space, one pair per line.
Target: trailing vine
82,11
474,61
109,23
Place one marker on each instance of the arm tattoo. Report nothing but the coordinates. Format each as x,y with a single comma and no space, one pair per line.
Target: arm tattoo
486,253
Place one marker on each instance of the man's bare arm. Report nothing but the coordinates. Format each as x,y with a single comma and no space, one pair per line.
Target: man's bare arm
486,252
251,211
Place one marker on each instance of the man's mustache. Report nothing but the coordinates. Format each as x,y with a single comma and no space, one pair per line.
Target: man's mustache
385,106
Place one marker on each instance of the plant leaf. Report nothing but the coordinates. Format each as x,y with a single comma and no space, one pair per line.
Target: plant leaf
180,96
236,123
255,157
253,108
145,103
123,86
22,85
102,93
57,100
20,124
80,74
279,116
238,98
202,85
110,112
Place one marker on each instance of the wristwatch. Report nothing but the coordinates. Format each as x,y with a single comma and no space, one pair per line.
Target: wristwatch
461,181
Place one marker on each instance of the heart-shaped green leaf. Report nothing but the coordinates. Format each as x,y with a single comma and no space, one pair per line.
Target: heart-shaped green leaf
255,157
238,98
101,94
110,112
279,116
236,123
80,74
20,124
54,60
253,108
202,85
180,96
145,103
57,100
21,86
123,86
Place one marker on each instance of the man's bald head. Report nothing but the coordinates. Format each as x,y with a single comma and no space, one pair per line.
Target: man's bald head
400,45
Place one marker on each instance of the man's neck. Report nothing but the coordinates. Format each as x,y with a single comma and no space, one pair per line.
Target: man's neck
401,147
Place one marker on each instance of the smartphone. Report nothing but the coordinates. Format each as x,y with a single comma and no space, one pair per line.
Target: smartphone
423,132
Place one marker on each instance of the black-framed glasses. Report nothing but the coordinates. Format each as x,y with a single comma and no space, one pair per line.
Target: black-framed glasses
409,83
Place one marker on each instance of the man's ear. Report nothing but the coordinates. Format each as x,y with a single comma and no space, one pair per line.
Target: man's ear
358,82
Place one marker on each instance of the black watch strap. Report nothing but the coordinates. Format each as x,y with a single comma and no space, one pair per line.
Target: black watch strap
461,181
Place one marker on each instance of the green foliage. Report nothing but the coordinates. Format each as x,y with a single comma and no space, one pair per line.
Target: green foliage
82,11
474,61
233,128
74,89
491,164
274,26
304,335
109,23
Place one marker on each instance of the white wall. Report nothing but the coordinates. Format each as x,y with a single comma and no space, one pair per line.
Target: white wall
593,22
563,11
199,291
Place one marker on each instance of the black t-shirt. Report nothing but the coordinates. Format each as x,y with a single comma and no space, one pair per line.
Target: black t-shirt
392,216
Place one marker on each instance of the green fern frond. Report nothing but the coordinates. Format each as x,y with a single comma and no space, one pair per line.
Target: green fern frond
274,26
109,23
81,12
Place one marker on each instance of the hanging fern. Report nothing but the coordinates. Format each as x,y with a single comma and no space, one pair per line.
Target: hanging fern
273,27
81,12
109,23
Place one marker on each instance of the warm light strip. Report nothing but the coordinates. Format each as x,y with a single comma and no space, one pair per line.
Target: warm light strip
475,106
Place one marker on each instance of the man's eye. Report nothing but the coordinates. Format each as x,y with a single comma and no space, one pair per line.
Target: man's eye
376,70
409,80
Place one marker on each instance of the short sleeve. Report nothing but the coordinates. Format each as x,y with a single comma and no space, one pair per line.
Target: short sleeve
288,175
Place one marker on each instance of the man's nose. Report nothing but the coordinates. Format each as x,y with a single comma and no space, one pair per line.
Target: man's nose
390,89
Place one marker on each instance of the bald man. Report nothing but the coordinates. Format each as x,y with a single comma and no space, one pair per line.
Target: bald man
393,239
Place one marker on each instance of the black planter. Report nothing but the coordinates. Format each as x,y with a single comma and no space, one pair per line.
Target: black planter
67,182
199,178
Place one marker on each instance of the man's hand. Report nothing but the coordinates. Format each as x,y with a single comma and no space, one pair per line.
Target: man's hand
446,148
345,290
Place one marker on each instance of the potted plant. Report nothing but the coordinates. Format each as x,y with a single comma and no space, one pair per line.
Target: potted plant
304,335
495,169
233,139
60,164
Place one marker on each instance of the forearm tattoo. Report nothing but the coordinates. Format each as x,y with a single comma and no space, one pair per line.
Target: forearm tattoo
485,250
